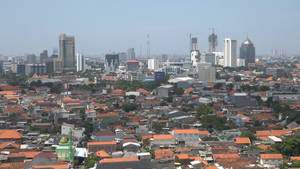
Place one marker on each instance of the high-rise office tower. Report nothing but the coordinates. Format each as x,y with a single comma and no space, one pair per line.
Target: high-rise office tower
54,53
212,42
67,52
31,59
43,56
112,62
230,52
79,62
131,54
247,51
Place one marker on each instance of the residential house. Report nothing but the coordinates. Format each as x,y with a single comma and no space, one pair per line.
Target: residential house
110,146
271,159
165,140
186,136
126,163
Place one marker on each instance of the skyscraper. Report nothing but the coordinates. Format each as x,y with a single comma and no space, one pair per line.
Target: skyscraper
31,59
131,54
43,56
195,53
80,62
230,52
67,52
112,62
194,43
212,42
247,51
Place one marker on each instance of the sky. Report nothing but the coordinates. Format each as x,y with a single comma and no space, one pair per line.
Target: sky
103,26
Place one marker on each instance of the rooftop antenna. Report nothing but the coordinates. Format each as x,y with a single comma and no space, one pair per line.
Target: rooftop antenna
148,46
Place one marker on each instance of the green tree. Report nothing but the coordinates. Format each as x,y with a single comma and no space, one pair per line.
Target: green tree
203,110
295,164
129,107
249,134
290,146
178,91
89,128
91,161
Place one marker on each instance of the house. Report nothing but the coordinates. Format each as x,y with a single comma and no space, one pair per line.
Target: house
10,135
103,136
231,156
54,166
110,146
166,139
242,99
102,154
9,146
203,133
274,139
186,136
277,133
242,141
287,98
183,158
131,146
124,163
271,159
107,118
76,132
163,91
163,154
12,110
43,159
295,158
22,156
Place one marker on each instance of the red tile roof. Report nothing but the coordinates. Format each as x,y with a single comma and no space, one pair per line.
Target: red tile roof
56,166
182,156
242,140
133,61
14,165
10,134
5,144
27,154
163,153
204,132
101,143
162,136
264,133
295,158
117,160
271,156
225,156
264,147
179,131
102,154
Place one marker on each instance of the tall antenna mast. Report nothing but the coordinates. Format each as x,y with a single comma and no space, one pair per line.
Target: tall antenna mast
148,46
190,42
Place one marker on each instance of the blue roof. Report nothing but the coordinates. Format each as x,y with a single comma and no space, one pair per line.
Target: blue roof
148,80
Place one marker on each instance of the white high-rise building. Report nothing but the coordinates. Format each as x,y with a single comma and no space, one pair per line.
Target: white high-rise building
195,53
230,52
153,64
80,62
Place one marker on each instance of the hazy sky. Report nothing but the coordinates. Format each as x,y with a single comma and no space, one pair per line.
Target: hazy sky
100,26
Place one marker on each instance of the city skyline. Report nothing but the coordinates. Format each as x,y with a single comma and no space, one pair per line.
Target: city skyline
98,30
